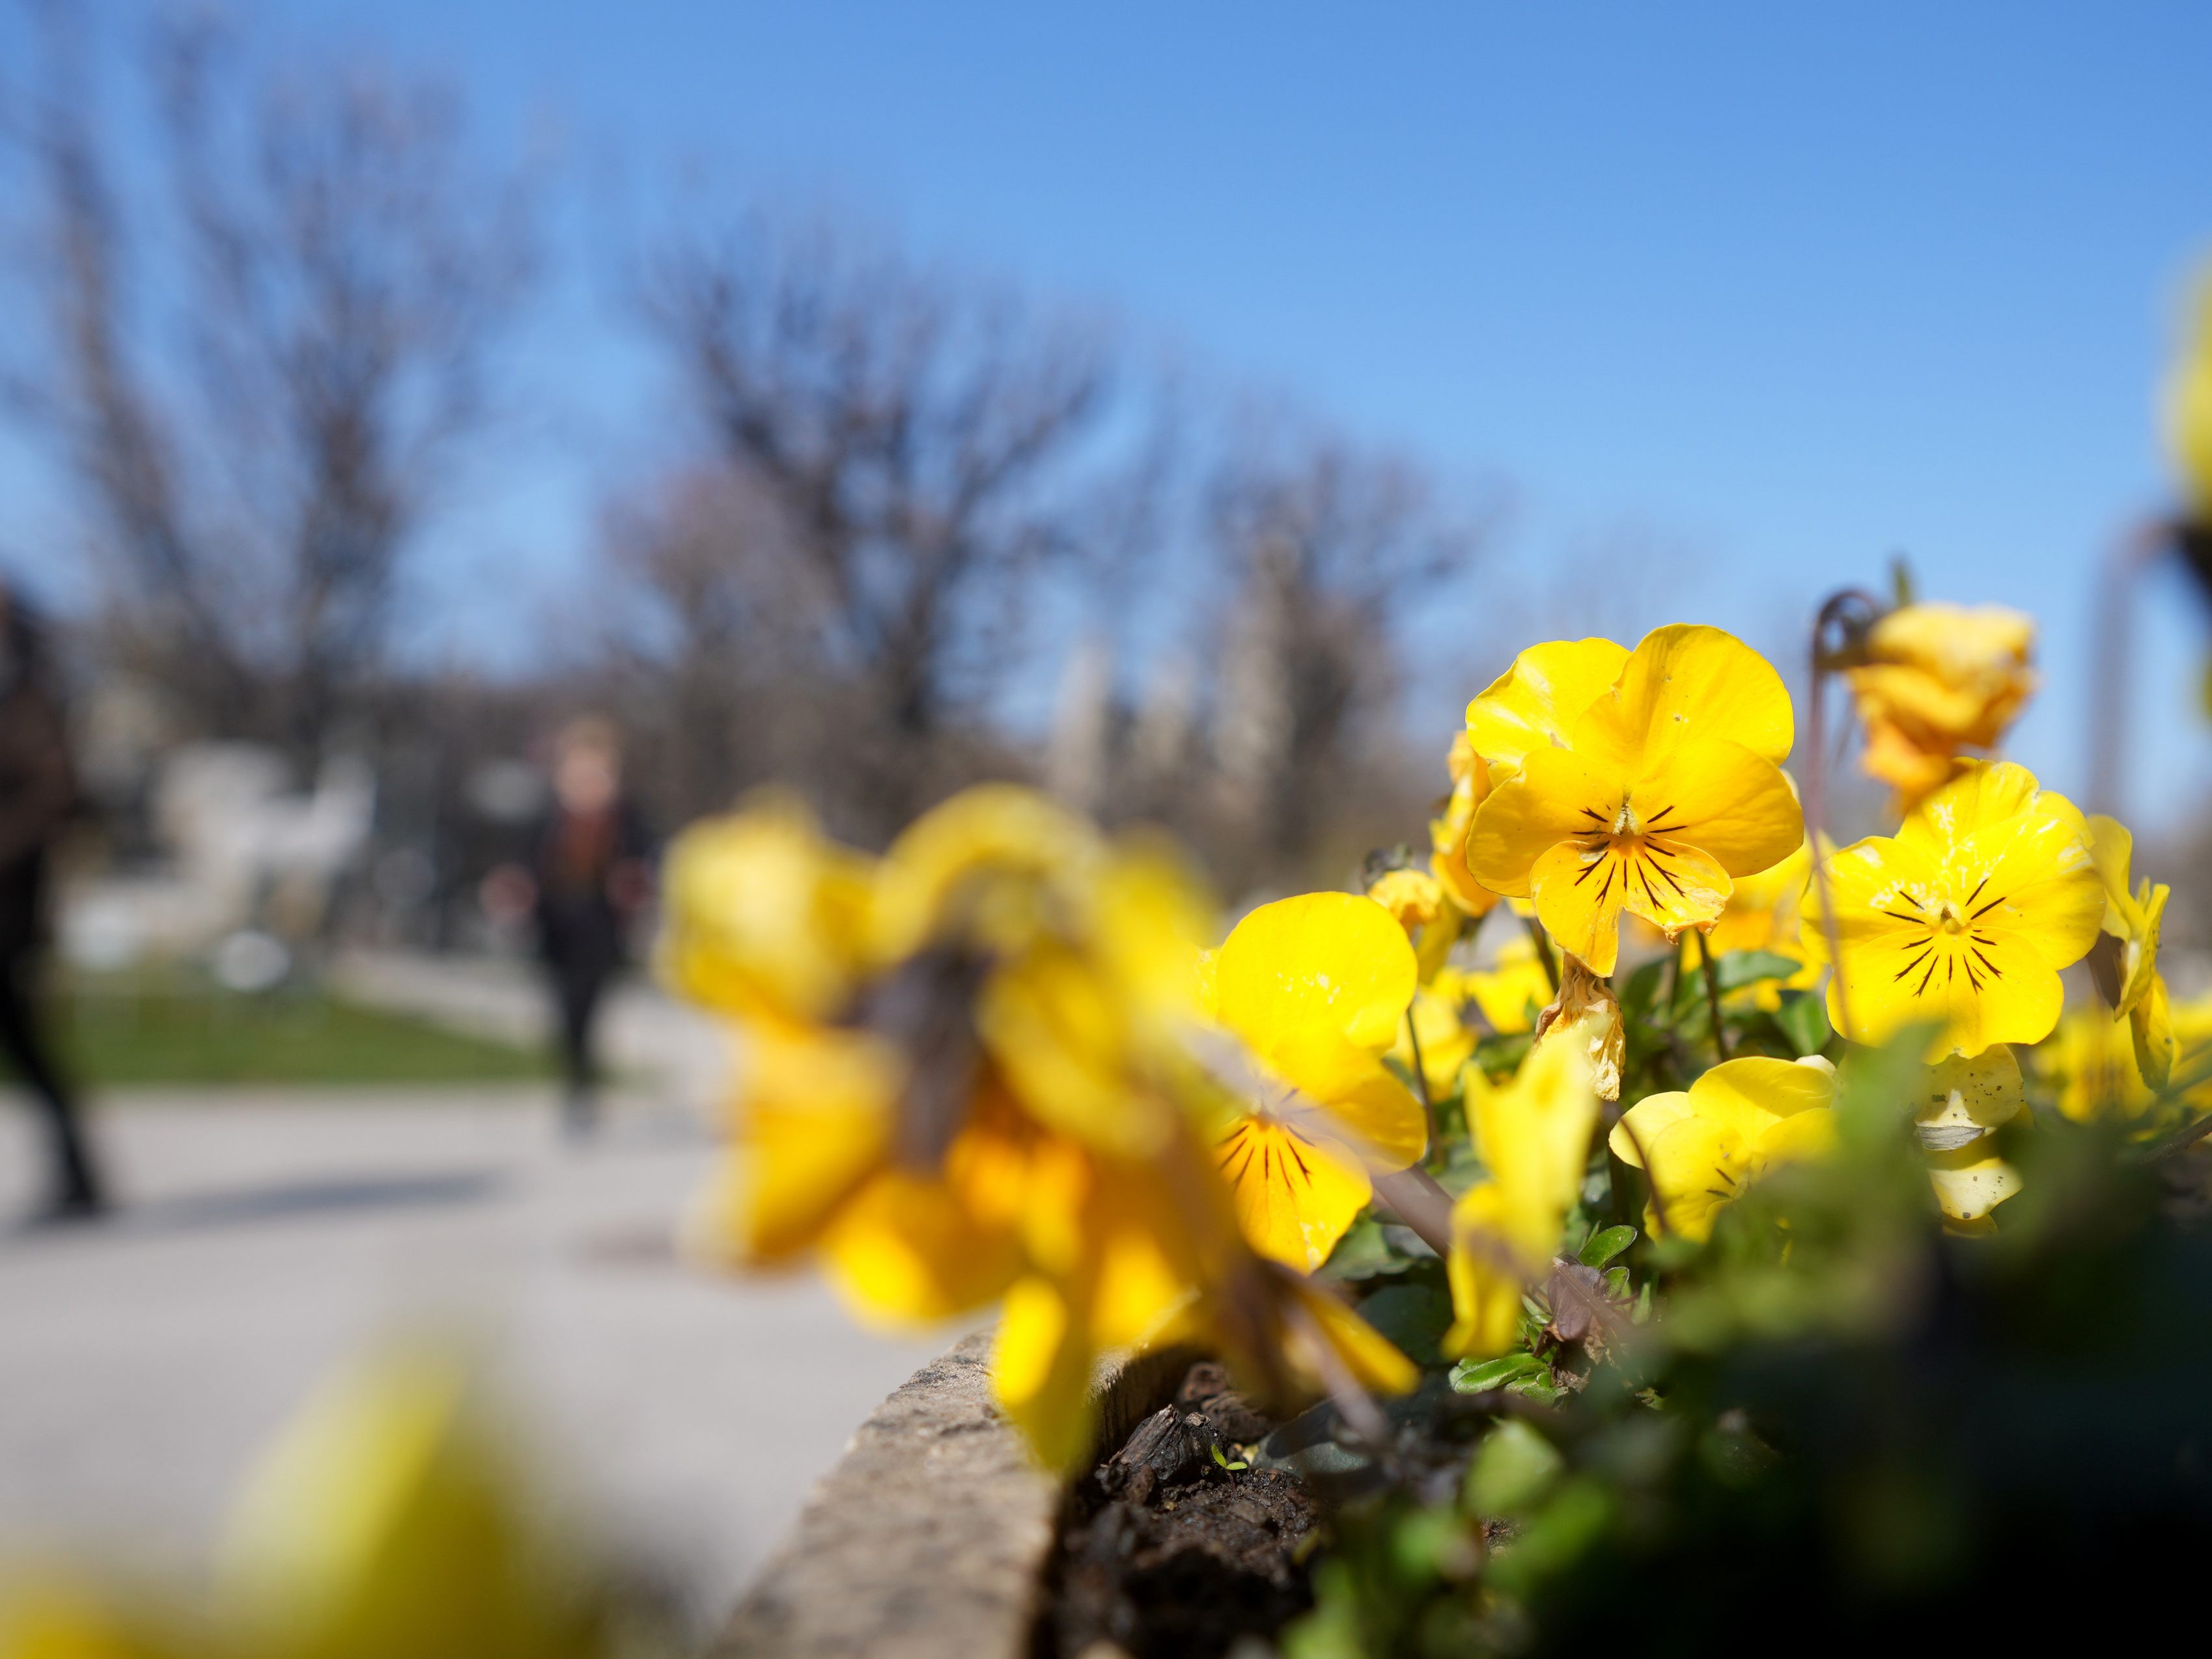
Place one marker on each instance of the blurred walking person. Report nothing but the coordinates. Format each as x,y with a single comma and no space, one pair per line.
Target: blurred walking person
38,793
589,875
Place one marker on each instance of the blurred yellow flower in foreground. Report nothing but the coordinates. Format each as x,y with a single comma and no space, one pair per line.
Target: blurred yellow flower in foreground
388,1518
1651,796
968,1075
2189,407
1534,1136
1701,1147
1317,988
2126,970
1964,917
1430,918
1940,678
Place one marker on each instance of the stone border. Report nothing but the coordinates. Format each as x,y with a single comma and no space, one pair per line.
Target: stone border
930,1537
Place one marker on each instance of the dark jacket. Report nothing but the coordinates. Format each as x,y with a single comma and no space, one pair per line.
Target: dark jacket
38,784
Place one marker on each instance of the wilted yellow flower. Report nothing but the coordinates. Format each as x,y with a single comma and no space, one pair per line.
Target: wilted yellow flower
1766,913
1534,1136
1964,1101
1964,917
1317,988
1514,989
2189,407
1650,796
1940,678
1470,775
2126,968
1586,1015
1703,1146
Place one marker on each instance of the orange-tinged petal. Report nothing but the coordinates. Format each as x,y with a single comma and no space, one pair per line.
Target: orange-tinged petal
1322,962
1534,703
1294,1197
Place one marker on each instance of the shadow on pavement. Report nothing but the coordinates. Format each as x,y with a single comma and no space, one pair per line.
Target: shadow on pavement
200,1211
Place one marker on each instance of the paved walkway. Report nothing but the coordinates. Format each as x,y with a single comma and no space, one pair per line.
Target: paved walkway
265,1236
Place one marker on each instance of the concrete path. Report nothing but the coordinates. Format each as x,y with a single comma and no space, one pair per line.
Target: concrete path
264,1237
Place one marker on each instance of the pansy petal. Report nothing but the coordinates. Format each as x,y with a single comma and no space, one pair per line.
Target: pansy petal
1641,1123
1534,703
2036,884
1674,885
1970,1181
1356,1093
1040,1372
1578,899
2150,1025
1735,805
1321,962
1560,794
1294,1198
904,1252
1688,682
1983,794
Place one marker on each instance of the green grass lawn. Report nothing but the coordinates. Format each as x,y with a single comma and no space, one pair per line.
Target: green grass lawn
175,1028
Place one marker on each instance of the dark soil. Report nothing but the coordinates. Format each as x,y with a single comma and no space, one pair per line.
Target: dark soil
1170,1555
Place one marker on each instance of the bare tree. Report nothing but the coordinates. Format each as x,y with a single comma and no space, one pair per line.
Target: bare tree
1327,548
256,455
920,447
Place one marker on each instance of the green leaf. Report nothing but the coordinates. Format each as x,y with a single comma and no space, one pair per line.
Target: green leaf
1616,1281
1414,1317
1364,1252
1741,968
1233,1467
1602,1246
1512,1470
1481,1375
1804,1017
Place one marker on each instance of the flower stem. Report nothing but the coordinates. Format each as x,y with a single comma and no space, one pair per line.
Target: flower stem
1835,612
1420,1203
1543,942
1421,1081
1712,993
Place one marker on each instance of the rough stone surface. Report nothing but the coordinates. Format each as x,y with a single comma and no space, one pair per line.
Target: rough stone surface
926,1539
930,1538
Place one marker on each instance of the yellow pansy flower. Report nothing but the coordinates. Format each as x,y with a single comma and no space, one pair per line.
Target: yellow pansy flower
1470,775
1514,989
1963,1103
1938,679
1651,797
1317,988
1701,1147
2127,974
1534,1136
1766,913
2189,407
1964,917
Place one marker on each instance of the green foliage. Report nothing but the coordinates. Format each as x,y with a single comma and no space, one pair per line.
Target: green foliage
1844,1423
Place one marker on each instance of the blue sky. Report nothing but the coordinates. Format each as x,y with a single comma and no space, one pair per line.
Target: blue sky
1776,291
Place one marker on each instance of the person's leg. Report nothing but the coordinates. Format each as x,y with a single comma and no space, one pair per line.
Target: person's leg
75,1187
580,987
